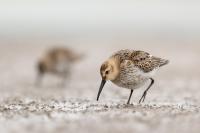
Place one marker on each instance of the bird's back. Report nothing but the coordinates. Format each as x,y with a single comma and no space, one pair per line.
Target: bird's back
141,59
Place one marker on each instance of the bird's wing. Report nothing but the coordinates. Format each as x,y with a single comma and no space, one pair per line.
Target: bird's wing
149,64
141,59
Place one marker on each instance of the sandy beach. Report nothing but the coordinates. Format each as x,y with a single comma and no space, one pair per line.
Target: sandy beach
172,105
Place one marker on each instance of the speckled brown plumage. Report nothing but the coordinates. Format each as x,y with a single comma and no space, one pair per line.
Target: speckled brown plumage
141,59
131,69
57,61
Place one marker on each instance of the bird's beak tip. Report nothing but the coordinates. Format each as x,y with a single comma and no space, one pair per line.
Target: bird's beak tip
100,89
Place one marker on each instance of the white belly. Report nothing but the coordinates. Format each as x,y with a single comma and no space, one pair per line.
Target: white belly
133,83
132,78
62,67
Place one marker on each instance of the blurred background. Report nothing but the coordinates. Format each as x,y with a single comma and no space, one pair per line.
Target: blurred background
166,28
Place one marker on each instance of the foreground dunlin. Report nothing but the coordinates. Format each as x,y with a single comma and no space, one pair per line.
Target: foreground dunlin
130,69
57,61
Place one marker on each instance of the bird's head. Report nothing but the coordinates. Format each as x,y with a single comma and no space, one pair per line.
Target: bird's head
109,71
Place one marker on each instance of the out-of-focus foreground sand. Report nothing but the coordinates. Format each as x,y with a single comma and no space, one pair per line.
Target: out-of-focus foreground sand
172,105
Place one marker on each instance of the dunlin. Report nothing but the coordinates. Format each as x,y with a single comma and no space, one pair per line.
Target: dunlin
130,69
57,61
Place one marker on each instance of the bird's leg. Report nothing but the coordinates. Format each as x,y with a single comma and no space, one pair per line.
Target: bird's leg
39,79
130,97
145,92
65,79
63,82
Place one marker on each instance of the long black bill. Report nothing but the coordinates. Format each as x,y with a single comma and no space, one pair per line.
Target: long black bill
103,82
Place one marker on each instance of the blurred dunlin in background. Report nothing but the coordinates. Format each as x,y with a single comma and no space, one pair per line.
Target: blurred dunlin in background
166,28
57,61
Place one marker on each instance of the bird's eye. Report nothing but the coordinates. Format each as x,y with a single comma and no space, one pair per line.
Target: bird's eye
107,72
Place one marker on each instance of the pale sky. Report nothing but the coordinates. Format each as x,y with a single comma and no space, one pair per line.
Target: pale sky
46,17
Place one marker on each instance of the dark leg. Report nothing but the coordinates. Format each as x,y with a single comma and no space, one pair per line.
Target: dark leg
41,69
130,97
145,92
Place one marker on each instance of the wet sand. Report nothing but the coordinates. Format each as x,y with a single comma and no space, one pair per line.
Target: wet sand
172,105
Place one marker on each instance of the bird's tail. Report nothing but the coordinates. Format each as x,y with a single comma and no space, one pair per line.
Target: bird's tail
163,62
